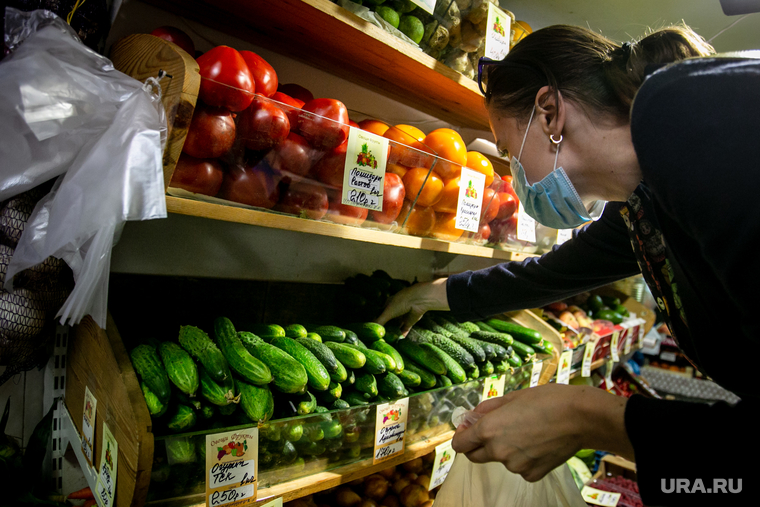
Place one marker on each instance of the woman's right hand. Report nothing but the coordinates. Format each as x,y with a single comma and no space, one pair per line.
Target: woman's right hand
412,302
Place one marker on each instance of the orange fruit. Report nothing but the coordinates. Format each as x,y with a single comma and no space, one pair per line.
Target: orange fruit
399,135
447,144
412,131
374,126
429,189
444,227
449,196
419,219
397,169
479,162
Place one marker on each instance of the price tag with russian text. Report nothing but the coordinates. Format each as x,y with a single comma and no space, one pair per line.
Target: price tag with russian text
390,429
535,374
105,488
564,235
598,497
444,458
526,226
88,425
232,467
563,371
471,187
493,386
588,356
364,170
608,374
614,346
498,33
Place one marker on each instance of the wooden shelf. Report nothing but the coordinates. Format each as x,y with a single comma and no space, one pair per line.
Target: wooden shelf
324,35
184,206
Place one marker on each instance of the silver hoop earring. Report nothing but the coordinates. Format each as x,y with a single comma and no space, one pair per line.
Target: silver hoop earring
551,138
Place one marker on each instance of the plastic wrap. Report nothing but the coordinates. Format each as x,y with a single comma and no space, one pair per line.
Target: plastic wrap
69,114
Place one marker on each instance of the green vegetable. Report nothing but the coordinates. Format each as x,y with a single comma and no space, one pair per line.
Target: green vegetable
384,347
340,404
443,381
377,362
289,375
354,398
409,378
295,331
204,350
422,357
270,330
183,419
257,402
390,385
453,369
523,350
305,403
427,379
219,395
322,353
155,407
488,349
333,392
473,372
251,369
340,375
485,327
502,339
366,383
367,331
518,332
180,367
148,366
318,376
487,368
347,355
329,333
467,326
180,450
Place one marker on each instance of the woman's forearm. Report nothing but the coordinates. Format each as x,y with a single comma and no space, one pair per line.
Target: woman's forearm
601,420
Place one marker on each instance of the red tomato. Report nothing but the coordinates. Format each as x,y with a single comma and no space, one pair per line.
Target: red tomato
255,186
507,205
226,80
305,199
393,199
211,132
352,123
507,187
484,232
327,127
502,229
329,168
262,125
292,107
293,155
296,91
201,176
176,36
490,206
263,74
343,213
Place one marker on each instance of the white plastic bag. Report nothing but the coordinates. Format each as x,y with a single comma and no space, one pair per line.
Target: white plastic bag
68,113
492,485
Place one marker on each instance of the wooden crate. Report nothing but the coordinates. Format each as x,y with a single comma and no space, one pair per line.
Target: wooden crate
529,319
615,466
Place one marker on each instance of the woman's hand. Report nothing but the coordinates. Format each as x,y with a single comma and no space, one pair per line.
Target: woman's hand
532,431
412,302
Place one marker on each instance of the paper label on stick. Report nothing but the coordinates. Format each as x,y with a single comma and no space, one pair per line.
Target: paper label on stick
232,467
444,458
390,429
498,33
614,346
588,356
493,386
364,170
105,488
470,201
88,425
563,371
535,375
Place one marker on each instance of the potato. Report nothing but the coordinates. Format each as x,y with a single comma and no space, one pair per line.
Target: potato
367,502
400,484
423,480
396,476
414,495
415,466
387,472
391,501
346,497
411,476
376,487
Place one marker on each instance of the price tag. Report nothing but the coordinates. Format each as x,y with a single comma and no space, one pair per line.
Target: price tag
564,235
640,340
627,342
526,226
232,467
535,375
599,497
444,458
498,33
88,425
563,372
277,502
471,186
614,346
390,429
426,5
608,374
493,386
588,356
364,170
105,488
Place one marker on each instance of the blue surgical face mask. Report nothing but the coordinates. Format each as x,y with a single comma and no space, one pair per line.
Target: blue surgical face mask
553,201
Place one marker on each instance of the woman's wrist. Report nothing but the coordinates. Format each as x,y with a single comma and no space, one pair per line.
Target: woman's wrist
437,298
601,420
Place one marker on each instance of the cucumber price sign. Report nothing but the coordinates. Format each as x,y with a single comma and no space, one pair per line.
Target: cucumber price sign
390,429
232,467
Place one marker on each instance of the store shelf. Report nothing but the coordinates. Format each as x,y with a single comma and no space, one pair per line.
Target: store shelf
225,213
594,365
324,35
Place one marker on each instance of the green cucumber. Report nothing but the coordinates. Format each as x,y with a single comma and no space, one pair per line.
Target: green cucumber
409,378
184,399
367,331
328,333
305,403
453,369
251,369
428,323
155,407
518,332
289,375
227,410
366,383
332,393
427,379
384,347
424,358
340,375
523,350
257,402
319,377
486,368
473,372
514,360
392,334
204,350
340,404
355,398
443,381
488,349
180,367
544,347
467,326
269,330
472,346
314,337
502,339
485,327
376,362
350,379
351,357
206,412
353,339
183,419
219,395
148,367
322,353
501,352
448,326
501,367
295,331
390,385
453,349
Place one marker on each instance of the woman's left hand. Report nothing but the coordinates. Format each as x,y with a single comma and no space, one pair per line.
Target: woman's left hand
532,431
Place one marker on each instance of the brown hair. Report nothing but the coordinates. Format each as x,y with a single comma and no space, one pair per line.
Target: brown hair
586,67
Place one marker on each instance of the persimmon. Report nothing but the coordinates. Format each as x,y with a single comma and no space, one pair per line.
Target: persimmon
444,227
480,163
429,187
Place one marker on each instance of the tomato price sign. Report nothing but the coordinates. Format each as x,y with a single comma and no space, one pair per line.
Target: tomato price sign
564,235
498,33
364,170
526,226
232,467
471,186
390,429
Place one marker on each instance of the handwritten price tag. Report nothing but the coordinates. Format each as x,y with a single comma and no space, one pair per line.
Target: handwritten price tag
498,33
526,226
444,458
471,187
564,235
105,489
588,356
535,375
599,497
88,425
364,170
493,386
565,362
390,429
232,467
614,346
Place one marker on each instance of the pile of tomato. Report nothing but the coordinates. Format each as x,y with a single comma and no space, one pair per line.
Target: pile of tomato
258,142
